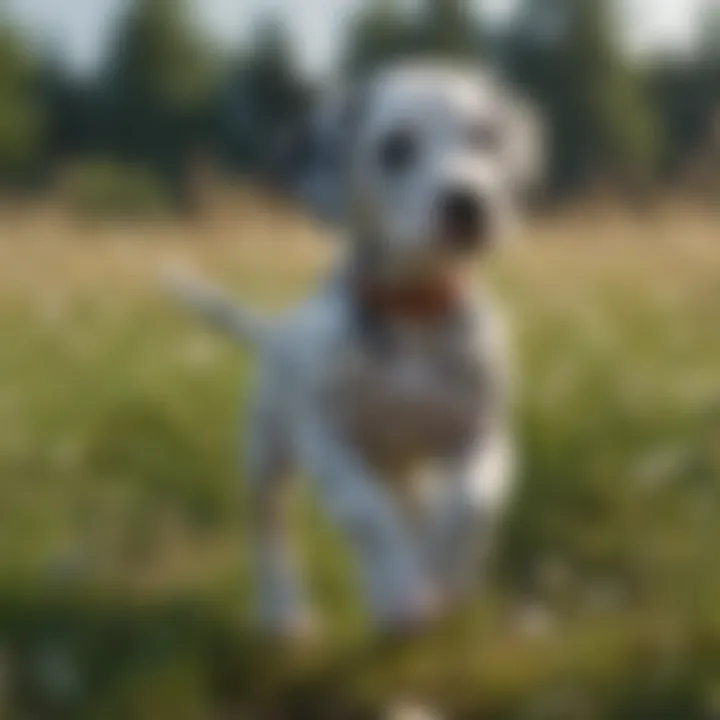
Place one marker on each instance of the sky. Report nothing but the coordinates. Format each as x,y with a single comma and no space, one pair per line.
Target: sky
78,28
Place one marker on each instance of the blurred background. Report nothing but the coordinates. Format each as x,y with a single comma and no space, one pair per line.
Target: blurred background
133,134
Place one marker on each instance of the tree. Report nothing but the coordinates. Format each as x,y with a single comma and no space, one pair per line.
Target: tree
381,34
386,31
601,117
709,60
67,107
709,46
21,119
708,77
159,79
448,28
264,95
686,93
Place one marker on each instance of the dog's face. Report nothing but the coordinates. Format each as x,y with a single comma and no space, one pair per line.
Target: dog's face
424,163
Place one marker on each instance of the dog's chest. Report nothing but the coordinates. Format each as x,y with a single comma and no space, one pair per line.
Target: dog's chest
422,397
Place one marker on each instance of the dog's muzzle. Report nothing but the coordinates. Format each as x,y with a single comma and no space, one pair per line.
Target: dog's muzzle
464,220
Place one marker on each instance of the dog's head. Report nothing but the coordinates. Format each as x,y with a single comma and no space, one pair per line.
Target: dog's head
423,162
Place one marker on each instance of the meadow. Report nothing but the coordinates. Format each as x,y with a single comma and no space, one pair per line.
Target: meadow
123,581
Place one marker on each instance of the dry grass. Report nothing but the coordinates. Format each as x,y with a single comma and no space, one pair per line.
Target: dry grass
258,241
266,242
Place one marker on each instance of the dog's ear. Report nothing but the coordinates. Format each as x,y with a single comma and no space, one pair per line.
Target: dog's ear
526,144
311,161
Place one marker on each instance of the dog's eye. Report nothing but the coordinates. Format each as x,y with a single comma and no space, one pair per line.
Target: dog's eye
485,137
398,151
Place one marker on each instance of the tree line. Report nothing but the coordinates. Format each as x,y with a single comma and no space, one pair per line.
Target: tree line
163,97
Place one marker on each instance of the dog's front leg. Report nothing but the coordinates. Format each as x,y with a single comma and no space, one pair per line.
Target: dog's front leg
469,494
393,578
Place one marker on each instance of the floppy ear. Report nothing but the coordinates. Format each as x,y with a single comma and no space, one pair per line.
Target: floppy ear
527,153
311,161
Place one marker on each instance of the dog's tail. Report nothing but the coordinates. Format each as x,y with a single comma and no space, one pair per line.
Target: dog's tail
217,309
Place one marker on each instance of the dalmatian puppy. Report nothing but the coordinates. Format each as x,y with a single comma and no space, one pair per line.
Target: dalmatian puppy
388,388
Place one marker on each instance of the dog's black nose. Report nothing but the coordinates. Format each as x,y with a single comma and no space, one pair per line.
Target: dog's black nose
464,219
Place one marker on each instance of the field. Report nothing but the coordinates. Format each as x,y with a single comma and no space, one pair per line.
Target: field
123,583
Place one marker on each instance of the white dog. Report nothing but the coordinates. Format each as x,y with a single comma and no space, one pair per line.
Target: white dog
388,388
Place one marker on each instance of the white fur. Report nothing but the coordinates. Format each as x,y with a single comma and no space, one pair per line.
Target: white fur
364,425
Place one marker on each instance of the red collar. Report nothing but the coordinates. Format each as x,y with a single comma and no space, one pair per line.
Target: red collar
424,301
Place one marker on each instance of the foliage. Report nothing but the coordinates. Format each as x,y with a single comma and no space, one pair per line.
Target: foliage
382,33
600,113
263,96
156,84
709,49
163,98
687,98
157,58
386,31
21,119
450,29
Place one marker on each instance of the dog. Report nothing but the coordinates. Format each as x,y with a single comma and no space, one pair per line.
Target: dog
390,387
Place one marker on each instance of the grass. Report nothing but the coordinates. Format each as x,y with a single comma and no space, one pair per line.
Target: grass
123,588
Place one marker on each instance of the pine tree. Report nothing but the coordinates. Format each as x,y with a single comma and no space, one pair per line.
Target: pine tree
708,76
709,49
264,95
387,31
157,56
621,126
66,101
158,80
603,123
382,33
273,80
21,118
449,29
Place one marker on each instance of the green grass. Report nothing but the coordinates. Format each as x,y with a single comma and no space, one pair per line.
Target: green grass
123,586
